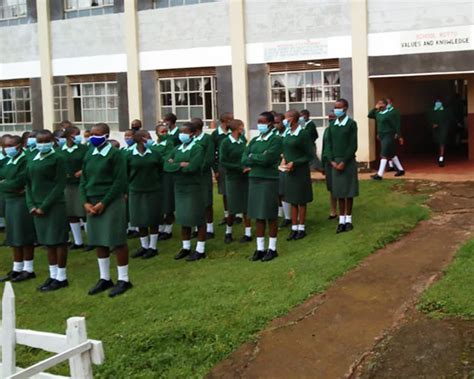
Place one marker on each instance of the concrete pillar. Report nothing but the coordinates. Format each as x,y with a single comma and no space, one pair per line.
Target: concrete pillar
44,45
362,87
134,87
239,63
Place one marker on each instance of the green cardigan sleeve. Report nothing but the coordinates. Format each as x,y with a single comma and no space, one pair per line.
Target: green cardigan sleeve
59,185
171,167
195,161
352,145
308,148
119,175
16,183
270,156
225,162
372,114
29,197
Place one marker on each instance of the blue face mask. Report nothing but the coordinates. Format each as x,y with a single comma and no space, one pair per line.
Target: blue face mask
338,112
262,128
149,143
184,138
302,120
129,141
438,105
286,123
78,139
11,151
98,141
31,142
44,148
61,142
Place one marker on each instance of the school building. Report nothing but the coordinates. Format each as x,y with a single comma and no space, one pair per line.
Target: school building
116,60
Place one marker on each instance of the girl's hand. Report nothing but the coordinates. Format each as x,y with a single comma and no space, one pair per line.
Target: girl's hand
246,169
341,166
78,174
38,212
184,164
99,208
290,166
89,208
170,161
334,165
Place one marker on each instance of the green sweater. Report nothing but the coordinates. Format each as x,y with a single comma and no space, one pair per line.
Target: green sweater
173,135
230,154
207,143
144,172
325,150
388,122
310,127
263,155
192,153
74,158
46,181
342,141
218,136
298,147
165,148
14,177
104,174
442,118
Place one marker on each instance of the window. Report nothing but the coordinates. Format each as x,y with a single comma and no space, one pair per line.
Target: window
61,111
188,97
316,91
12,9
177,3
80,8
15,108
95,102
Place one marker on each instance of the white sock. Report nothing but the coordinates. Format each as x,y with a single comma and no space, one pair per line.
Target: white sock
76,232
145,242
342,219
129,227
53,271
441,159
241,215
286,210
153,241
84,225
301,227
280,211
210,227
28,266
272,243
383,163
200,247
397,163
187,245
248,231
168,228
390,164
228,229
2,222
18,266
260,243
226,213
294,227
161,228
104,268
349,219
61,276
123,273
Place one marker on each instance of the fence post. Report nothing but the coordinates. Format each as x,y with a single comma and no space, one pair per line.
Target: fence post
8,331
80,365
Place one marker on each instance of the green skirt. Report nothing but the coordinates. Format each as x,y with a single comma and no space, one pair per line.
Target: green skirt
237,193
52,228
263,199
207,188
345,184
20,227
145,209
74,206
167,200
298,186
221,181
388,145
281,183
328,175
190,207
108,229
440,134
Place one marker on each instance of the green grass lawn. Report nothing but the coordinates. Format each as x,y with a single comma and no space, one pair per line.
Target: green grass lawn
453,294
182,318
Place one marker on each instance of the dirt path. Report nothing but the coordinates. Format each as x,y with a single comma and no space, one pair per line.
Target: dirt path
329,335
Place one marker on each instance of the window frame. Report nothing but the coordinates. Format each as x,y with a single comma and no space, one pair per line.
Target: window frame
15,125
86,11
64,112
21,4
154,3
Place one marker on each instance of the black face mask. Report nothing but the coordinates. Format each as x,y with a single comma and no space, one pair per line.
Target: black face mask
136,128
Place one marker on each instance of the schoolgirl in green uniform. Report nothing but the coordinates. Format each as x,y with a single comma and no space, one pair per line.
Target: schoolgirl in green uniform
46,181
341,149
132,230
20,230
298,152
236,179
103,187
173,131
262,156
3,161
185,163
74,152
440,119
129,140
284,210
30,145
327,170
144,168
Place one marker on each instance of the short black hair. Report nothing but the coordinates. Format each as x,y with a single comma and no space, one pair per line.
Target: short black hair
269,116
45,133
191,126
198,123
235,123
70,130
16,139
305,112
139,134
343,101
102,125
170,117
59,133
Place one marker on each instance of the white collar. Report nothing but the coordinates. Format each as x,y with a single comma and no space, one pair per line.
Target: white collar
69,149
386,110
199,137
296,132
15,161
220,131
307,122
41,157
189,146
104,151
173,132
233,140
136,152
266,137
2,156
343,122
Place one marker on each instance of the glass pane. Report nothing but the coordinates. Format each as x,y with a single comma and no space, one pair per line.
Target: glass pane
196,112
166,99
100,89
21,117
295,80
63,91
314,95
88,102
77,110
278,81
100,102
297,106
328,107
64,103
331,78
195,98
189,2
55,91
89,116
181,99
161,3
316,110
27,105
20,105
209,106
180,85
296,94
112,115
313,78
195,84
182,113
112,89
279,108
319,122
278,96
175,3
165,85
6,94
166,110
100,116
88,89
113,126
112,102
207,84
332,93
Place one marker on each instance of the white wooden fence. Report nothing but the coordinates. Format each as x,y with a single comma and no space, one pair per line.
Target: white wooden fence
74,346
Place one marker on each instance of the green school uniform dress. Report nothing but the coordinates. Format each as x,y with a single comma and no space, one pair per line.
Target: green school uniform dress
173,135
3,161
144,182
188,192
443,118
281,174
326,163
387,128
342,146
165,148
218,136
236,182
207,144
103,179
46,181
262,155
299,149
20,228
74,158
311,129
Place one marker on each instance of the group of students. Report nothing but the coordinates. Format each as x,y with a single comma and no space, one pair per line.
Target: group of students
52,180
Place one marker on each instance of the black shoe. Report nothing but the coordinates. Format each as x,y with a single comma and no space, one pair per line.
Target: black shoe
285,223
46,283
245,239
400,173
209,236
150,253
101,286
441,163
89,248
195,256
348,227
10,276
182,254
139,253
341,228
228,238
223,221
164,236
120,288
332,217
391,168
194,235
24,275
271,254
55,285
257,256
376,177
292,235
132,234
300,235
238,220
76,247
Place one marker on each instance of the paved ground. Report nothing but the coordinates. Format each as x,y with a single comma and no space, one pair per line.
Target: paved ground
333,334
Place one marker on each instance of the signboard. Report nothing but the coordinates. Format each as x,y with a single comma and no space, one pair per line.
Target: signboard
284,51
